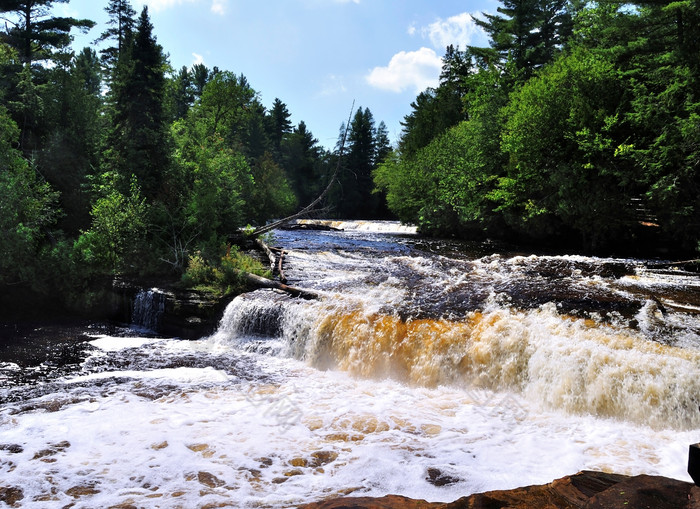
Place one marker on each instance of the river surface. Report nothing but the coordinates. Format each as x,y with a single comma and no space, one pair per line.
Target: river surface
430,369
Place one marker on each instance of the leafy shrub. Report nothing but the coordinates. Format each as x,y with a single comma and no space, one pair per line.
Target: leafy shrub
227,277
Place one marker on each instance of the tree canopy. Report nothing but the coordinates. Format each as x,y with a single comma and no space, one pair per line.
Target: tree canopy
578,126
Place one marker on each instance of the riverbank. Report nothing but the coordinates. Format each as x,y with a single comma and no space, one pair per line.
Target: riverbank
584,490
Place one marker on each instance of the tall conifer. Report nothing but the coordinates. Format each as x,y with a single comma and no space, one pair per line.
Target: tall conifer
139,142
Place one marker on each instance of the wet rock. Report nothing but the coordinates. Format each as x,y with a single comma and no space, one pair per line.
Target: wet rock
12,448
585,490
265,462
52,450
437,477
82,491
648,491
320,458
388,502
209,480
11,495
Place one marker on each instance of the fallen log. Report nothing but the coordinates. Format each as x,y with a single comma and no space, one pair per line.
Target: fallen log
276,257
261,282
686,265
270,255
280,272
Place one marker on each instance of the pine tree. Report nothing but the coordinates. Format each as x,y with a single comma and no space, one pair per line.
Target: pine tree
70,148
121,23
182,94
278,123
382,145
35,33
139,143
200,77
356,181
526,33
301,158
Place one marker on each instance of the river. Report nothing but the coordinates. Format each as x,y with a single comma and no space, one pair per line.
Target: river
430,369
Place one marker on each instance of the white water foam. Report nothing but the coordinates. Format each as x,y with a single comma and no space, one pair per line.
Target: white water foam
309,435
364,226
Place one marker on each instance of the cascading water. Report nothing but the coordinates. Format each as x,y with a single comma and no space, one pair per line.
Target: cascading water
147,310
595,363
422,360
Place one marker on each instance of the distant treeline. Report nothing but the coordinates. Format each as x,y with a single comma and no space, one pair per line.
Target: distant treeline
579,125
114,163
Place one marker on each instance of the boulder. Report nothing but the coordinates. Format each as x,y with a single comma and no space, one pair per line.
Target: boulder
585,490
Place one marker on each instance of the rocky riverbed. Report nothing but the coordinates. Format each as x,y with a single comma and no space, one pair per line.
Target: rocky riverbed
585,490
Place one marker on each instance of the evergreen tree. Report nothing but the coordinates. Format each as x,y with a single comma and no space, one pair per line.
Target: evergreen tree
122,19
34,32
302,160
181,94
139,142
382,145
356,185
526,34
74,125
255,135
278,123
200,77
433,112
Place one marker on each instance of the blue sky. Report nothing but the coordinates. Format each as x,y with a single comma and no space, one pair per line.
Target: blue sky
317,56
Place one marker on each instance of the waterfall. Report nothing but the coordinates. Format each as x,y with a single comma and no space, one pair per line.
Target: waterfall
363,226
148,308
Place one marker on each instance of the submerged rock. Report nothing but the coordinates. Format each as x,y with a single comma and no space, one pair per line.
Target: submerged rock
585,490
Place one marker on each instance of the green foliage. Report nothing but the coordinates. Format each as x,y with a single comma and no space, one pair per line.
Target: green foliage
72,141
225,278
444,187
35,33
272,195
562,130
139,141
27,210
116,240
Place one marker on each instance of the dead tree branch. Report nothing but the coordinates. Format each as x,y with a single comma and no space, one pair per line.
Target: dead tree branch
311,206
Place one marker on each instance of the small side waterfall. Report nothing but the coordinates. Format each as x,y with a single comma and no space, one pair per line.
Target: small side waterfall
148,308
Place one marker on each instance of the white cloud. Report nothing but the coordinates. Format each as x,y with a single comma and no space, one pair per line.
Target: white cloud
460,30
415,69
219,7
198,59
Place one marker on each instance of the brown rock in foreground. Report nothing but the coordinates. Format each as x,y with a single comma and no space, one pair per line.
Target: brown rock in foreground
585,490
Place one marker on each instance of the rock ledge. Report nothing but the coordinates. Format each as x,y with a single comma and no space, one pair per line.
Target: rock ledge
585,490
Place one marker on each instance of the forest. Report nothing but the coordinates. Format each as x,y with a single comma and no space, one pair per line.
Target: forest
114,163
578,127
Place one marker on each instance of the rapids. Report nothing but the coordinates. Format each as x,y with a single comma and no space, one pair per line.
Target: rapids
431,369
